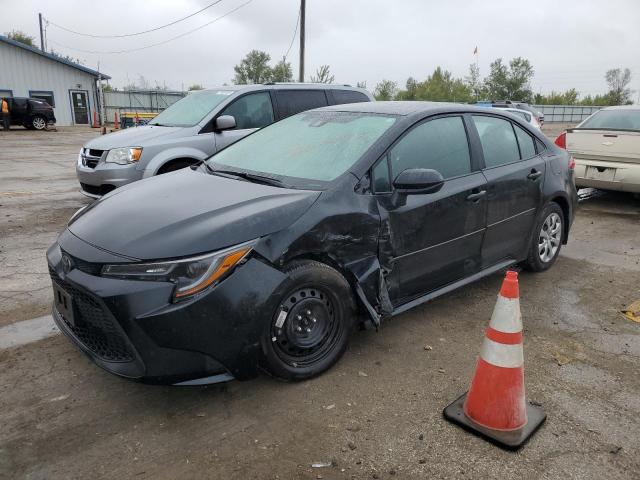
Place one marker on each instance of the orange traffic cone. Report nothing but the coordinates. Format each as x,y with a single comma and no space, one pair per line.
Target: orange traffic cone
495,406
116,125
95,120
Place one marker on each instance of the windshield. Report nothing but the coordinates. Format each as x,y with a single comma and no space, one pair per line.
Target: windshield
317,146
189,110
614,119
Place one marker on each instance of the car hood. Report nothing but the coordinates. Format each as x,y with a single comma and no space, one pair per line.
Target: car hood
132,137
185,213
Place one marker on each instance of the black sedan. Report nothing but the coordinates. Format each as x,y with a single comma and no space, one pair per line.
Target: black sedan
273,251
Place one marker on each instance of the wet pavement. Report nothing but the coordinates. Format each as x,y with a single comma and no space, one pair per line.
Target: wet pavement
376,414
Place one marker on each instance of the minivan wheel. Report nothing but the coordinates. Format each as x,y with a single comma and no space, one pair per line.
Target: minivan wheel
310,329
547,239
38,122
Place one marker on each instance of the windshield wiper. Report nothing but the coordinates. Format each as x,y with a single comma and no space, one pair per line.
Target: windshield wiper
252,177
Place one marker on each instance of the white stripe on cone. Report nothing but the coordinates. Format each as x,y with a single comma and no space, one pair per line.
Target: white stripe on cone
506,316
502,355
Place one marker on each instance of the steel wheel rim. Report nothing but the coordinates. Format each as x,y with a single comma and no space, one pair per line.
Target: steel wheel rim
550,237
309,331
39,123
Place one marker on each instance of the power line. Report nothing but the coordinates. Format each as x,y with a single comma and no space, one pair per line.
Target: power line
159,43
295,32
137,33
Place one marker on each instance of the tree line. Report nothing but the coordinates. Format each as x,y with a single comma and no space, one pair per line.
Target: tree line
505,81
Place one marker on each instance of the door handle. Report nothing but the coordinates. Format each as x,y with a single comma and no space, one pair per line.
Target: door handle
475,197
534,175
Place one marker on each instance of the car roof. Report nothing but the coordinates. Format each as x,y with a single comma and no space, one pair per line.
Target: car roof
404,108
288,86
622,107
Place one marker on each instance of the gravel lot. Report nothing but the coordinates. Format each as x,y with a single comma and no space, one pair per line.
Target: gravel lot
377,414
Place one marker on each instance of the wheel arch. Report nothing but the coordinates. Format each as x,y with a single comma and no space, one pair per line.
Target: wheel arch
173,161
563,203
329,260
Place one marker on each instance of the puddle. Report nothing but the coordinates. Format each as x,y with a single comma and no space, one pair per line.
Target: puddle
27,331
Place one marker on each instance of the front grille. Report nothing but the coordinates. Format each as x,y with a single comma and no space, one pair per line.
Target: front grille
94,326
84,266
93,190
91,157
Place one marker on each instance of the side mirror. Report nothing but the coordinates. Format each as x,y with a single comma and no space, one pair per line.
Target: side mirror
224,122
418,180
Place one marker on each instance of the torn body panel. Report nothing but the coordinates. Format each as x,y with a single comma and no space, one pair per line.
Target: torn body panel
347,238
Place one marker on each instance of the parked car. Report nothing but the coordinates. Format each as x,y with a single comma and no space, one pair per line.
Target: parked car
31,113
606,149
188,132
519,105
269,253
524,114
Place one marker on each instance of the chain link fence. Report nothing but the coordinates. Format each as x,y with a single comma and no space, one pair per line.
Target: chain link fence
138,101
566,113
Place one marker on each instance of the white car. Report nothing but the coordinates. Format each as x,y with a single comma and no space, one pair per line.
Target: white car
528,116
606,149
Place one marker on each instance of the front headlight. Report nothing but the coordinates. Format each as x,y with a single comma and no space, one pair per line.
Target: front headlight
80,157
122,156
191,275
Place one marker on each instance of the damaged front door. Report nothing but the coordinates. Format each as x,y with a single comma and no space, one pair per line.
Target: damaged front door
435,238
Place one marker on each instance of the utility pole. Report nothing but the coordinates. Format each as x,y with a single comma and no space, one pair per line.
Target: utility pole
302,12
41,34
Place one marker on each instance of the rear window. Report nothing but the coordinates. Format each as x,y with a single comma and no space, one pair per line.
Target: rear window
614,119
291,102
347,96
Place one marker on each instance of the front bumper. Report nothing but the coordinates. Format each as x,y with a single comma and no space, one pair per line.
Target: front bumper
132,329
607,175
98,181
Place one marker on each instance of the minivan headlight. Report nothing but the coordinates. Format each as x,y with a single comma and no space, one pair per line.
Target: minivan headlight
122,156
191,275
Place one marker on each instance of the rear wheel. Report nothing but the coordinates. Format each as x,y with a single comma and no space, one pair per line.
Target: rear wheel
310,329
38,122
547,241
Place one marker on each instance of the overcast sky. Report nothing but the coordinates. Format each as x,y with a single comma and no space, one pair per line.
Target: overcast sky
571,43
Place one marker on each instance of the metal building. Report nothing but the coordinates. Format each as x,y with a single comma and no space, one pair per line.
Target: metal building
70,88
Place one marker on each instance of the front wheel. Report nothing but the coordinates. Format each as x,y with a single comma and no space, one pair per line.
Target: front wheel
310,329
547,240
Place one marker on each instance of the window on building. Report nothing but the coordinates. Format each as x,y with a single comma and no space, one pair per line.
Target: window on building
6,93
47,96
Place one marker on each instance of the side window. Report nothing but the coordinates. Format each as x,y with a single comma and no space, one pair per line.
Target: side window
251,111
291,102
440,144
347,96
498,140
380,173
540,147
527,147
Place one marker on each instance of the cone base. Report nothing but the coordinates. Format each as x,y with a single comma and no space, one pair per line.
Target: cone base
512,440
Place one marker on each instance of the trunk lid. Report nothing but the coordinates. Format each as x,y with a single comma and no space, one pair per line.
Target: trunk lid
604,145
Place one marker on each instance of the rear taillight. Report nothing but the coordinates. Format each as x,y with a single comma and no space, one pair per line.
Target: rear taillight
561,141
572,163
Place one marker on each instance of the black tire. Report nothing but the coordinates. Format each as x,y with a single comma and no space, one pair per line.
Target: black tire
174,165
319,312
38,122
537,261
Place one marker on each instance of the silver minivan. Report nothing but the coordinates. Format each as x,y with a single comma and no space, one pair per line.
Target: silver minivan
196,127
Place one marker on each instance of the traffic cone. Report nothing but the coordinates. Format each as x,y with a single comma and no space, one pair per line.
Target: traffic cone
95,120
495,406
116,126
